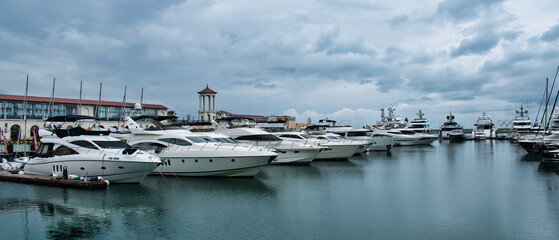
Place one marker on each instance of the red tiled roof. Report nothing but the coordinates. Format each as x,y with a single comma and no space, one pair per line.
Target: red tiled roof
207,90
75,101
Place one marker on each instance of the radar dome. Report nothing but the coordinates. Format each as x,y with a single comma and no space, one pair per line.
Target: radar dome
137,106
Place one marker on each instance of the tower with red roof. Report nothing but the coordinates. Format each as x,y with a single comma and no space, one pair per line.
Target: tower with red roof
207,111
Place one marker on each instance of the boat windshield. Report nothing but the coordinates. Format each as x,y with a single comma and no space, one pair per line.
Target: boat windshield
357,134
267,137
225,140
201,139
111,144
175,141
306,136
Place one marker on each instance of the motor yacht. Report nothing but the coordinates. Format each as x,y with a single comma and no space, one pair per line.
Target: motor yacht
408,137
185,153
243,131
336,149
521,124
449,126
91,156
370,141
420,124
484,127
390,121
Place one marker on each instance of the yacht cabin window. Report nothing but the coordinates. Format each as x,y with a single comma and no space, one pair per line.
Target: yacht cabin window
63,150
84,144
175,141
267,137
148,146
201,139
111,144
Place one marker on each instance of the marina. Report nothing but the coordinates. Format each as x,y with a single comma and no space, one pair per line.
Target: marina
469,190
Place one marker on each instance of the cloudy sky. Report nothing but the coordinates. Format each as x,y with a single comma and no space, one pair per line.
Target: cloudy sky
344,60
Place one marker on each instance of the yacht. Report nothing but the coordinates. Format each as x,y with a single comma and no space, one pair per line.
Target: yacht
484,127
185,153
91,156
391,121
357,135
521,125
420,124
243,130
452,130
408,137
372,141
335,149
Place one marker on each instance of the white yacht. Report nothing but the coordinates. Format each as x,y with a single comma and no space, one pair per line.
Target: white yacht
391,121
242,130
408,137
357,135
484,127
420,124
335,149
91,156
372,141
521,123
185,153
451,130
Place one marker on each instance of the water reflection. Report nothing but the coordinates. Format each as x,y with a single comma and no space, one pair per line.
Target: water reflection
549,166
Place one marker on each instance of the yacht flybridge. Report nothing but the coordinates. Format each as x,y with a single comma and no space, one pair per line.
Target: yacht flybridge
185,153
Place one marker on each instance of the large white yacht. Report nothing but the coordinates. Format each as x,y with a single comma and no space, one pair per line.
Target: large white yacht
408,137
91,156
185,153
390,121
451,129
484,127
243,130
336,149
521,123
420,124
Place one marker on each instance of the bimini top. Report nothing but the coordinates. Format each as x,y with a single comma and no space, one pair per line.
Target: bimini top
69,118
154,117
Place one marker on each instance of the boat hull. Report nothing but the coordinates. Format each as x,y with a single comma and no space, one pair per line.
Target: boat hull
113,171
296,155
382,143
190,164
337,151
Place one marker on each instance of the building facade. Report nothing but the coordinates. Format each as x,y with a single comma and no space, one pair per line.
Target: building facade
12,109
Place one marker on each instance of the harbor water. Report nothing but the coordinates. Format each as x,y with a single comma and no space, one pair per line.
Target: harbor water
470,190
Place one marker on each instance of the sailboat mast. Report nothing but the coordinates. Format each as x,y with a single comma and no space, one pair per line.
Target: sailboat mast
51,102
80,101
25,109
123,109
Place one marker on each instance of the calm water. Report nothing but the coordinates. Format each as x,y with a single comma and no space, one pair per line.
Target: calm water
471,190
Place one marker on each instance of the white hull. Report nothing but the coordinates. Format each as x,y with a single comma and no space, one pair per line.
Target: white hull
338,151
207,164
118,171
382,143
296,155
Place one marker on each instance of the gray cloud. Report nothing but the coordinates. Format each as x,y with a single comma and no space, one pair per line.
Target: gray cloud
552,34
479,44
460,10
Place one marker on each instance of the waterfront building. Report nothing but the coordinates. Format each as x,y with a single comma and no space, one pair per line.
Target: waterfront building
37,108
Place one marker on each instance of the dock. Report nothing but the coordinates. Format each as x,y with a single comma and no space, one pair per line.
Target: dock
50,181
